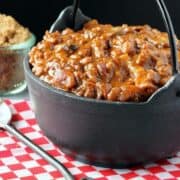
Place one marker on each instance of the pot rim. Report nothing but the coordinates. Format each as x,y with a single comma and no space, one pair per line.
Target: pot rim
91,100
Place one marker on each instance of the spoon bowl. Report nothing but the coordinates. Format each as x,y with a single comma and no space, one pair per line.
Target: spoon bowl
5,114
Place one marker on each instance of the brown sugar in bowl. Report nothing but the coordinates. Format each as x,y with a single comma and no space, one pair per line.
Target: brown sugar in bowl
15,43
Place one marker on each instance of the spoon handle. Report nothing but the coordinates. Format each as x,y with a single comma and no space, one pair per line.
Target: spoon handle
40,151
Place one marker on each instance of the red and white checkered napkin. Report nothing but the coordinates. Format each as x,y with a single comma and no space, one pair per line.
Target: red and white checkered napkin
19,162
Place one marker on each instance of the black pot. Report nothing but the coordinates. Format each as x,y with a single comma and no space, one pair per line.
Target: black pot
109,133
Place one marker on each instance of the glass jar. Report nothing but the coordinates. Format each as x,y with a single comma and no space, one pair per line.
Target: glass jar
12,80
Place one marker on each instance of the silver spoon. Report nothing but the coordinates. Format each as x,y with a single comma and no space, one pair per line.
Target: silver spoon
71,17
5,118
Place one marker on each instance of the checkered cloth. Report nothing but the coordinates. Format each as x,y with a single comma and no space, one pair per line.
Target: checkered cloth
19,162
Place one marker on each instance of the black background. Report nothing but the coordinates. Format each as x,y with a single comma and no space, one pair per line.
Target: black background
38,15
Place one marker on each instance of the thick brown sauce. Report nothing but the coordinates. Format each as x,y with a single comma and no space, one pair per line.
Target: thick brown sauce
122,63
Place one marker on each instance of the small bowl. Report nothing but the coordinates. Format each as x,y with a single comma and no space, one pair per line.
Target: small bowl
11,67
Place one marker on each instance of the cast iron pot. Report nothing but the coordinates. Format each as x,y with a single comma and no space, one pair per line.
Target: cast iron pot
110,133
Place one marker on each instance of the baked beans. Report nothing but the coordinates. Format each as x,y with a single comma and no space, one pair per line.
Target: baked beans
122,63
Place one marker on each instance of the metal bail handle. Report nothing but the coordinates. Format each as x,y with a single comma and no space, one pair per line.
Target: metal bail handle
171,33
75,8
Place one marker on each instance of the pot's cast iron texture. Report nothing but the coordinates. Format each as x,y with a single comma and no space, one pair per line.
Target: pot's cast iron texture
111,133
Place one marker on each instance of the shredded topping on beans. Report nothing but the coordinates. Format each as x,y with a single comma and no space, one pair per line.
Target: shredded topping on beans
122,63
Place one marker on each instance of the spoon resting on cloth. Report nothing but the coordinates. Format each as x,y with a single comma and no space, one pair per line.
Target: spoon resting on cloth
5,119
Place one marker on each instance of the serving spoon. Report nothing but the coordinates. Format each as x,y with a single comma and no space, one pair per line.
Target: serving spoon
71,17
5,118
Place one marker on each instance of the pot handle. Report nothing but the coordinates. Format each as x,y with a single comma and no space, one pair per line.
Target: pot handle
171,34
